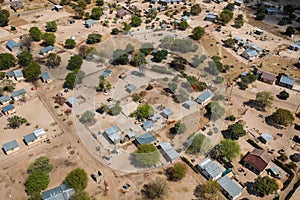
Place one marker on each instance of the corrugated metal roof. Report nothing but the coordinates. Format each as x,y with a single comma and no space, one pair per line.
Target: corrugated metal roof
4,99
251,53
147,124
45,76
90,22
72,100
231,187
267,137
202,98
171,153
18,73
112,129
12,44
10,145
211,167
130,88
167,112
145,138
287,80
62,192
47,49
8,108
39,132
29,138
18,93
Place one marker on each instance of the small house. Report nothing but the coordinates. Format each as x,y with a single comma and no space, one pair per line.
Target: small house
204,97
106,73
169,153
266,137
186,18
131,135
245,73
166,113
18,74
123,14
249,54
9,109
189,104
211,170
238,2
18,94
254,47
267,77
45,77
295,46
148,125
10,75
113,134
146,138
62,192
257,160
34,137
58,8
271,10
72,101
4,99
10,147
89,23
13,46
130,88
230,188
211,17
155,117
16,5
275,172
286,82
46,49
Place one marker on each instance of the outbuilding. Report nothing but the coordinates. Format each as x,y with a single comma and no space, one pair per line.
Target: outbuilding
286,82
18,94
169,153
62,192
266,137
189,104
89,23
46,49
211,170
146,138
10,147
113,134
166,113
9,109
148,125
130,88
18,74
4,100
230,188
13,46
204,97
72,101
249,54
34,137
45,77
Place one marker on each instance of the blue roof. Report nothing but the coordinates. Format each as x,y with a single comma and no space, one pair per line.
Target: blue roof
29,138
10,145
11,44
267,137
185,18
229,186
106,73
147,124
62,192
72,100
155,117
47,49
90,22
18,73
275,170
237,39
4,99
287,80
45,76
244,73
18,93
10,74
167,112
130,88
145,138
112,129
8,108
202,98
272,9
170,152
251,52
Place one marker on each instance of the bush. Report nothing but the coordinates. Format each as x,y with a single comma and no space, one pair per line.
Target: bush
177,172
77,179
93,38
254,144
42,164
231,118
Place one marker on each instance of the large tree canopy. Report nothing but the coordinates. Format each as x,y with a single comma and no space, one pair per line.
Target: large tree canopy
200,144
214,111
282,117
77,179
235,131
32,72
7,61
42,164
25,58
144,111
230,148
265,185
36,182
264,100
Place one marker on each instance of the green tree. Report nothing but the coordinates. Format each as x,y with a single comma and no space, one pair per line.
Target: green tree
284,95
74,62
207,191
74,78
158,56
147,48
230,149
7,60
36,182
264,100
53,60
290,30
281,117
93,38
79,12
214,111
48,39
40,164
147,155
288,9
115,31
100,2
77,179
35,33
230,42
16,121
103,84
126,26
200,144
129,48
226,16
4,17
155,189
136,21
7,85
85,50
144,111
96,13
236,131
260,14
177,172
24,58
32,72
51,26
195,9
197,33
70,43
152,13
179,128
183,25
81,195
139,59
239,21
115,110
82,4
120,57
265,185
87,118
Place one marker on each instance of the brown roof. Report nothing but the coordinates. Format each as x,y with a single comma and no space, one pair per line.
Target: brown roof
258,158
122,13
268,76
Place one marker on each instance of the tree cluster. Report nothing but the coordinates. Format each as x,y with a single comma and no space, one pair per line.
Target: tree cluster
147,155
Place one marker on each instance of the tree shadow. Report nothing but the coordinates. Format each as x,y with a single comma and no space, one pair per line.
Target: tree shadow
226,134
252,104
251,188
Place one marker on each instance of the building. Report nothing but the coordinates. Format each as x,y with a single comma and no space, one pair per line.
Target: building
18,94
10,75
131,135
254,47
165,2
46,49
45,77
271,10
295,46
10,147
249,54
34,137
166,113
13,46
62,192
155,117
238,2
230,188
204,97
211,17
16,5
72,101
146,138
130,88
257,160
4,100
267,77
266,137
148,125
113,134
18,74
189,104
210,169
9,109
275,172
106,73
169,153
123,14
186,18
58,8
257,32
89,23
286,82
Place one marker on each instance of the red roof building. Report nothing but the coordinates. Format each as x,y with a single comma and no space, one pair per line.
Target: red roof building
257,160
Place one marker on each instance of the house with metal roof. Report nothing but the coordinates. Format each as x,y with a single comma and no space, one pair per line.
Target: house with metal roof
10,147
57,7
146,138
9,109
155,117
189,104
113,134
13,46
18,94
34,137
166,113
275,172
231,189
168,152
4,99
106,73
271,10
148,125
10,75
295,46
130,88
72,101
45,77
267,77
89,23
16,5
131,135
204,97
238,2
46,49
249,54
266,137
210,169
62,192
211,17
257,160
286,82
18,74
186,18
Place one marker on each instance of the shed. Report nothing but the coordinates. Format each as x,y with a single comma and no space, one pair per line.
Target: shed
166,113
185,18
113,134
13,46
189,104
266,137
106,73
210,169
18,74
204,97
58,8
45,77
249,54
62,192
230,188
295,46
244,73
254,47
16,5
34,137
89,23
46,49
130,88
72,101
10,75
155,117
168,151
18,94
9,109
10,147
271,10
148,125
131,134
286,82
268,77
275,172
145,138
4,99
211,17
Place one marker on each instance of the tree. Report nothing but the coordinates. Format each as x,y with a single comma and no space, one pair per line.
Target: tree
178,63
79,12
265,185
173,87
87,118
235,131
100,2
177,172
16,121
230,42
179,128
239,22
48,39
77,179
281,117
214,111
93,38
147,155
146,48
120,57
290,30
53,60
196,9
7,85
126,26
4,17
80,195
136,21
197,33
74,62
115,31
96,13
81,4
144,111
51,26
152,13
155,189
103,84
129,48
284,95
139,59
226,16
24,58
115,110
158,56
230,149
260,14
35,33
288,9
70,43
200,144
74,78
32,72
7,60
36,182
84,51
264,100
207,191
183,25
26,42
40,164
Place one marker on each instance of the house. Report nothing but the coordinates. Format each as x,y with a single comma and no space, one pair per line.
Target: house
295,46
18,74
10,75
106,73
10,147
46,49
9,109
237,40
254,47
258,32
34,137
113,134
186,18
204,97
62,192
58,8
249,54
148,125
275,172
166,113
271,10
13,46
210,169
16,5
45,77
169,153
18,94
155,117
4,100
257,160
89,23
211,17
189,104
244,73
146,138
267,77
230,188
286,82
72,101
238,2
130,88
266,137
131,135
123,14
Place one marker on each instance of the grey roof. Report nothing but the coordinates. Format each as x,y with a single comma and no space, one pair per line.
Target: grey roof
267,137
39,132
131,134
8,108
189,103
254,47
29,138
244,73
211,167
202,98
45,76
275,170
18,73
10,145
251,52
90,22
112,129
271,10
62,192
170,152
72,100
185,18
130,88
113,133
145,138
10,74
147,124
12,44
58,6
296,45
106,73
4,99
229,186
287,80
155,117
167,112
18,93
47,49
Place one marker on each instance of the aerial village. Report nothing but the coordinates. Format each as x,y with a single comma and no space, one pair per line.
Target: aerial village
153,99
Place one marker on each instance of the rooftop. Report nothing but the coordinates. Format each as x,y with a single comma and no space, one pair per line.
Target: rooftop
18,93
46,49
258,158
18,73
211,167
268,76
106,73
147,124
8,108
287,80
145,138
90,22
130,88
230,186
251,52
4,99
45,76
62,192
169,150
72,100
267,137
29,138
12,44
204,97
167,112
112,129
10,145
